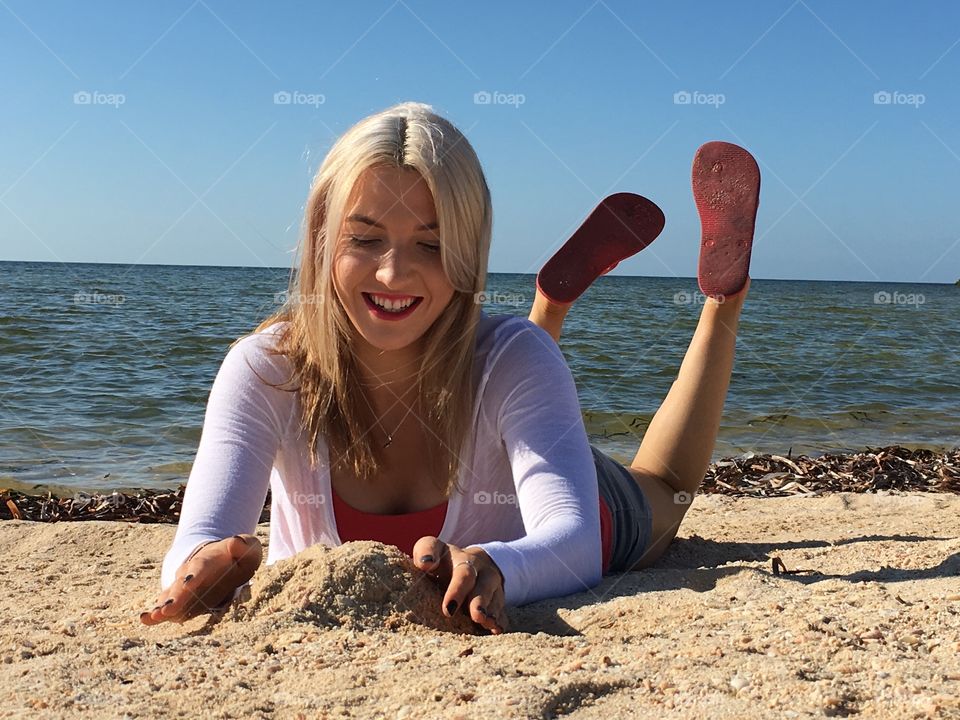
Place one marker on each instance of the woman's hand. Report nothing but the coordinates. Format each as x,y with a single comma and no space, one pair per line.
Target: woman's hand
472,578
207,579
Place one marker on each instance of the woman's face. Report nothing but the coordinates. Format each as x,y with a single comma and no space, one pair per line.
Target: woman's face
387,270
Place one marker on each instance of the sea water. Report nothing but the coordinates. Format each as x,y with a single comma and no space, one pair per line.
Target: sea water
105,369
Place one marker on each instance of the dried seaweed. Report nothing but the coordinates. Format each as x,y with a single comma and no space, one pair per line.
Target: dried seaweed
892,468
143,506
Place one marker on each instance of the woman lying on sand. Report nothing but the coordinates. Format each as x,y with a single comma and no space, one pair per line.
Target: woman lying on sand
380,403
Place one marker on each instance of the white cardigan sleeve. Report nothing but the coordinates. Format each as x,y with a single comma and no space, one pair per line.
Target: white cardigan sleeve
244,422
556,481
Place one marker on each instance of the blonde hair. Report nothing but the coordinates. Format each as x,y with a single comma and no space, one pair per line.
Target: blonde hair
317,334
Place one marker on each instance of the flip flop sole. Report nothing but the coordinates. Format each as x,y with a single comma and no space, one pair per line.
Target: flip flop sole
622,225
726,188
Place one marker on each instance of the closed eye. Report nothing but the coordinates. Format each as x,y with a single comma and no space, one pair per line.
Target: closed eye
365,242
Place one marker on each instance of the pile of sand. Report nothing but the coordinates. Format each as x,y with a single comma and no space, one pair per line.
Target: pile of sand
359,585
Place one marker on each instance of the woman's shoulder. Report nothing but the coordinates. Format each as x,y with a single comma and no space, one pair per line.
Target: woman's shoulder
499,333
512,347
259,351
260,341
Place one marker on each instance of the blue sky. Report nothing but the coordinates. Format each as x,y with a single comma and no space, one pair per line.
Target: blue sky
181,154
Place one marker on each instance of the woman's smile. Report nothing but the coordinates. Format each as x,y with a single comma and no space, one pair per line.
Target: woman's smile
391,307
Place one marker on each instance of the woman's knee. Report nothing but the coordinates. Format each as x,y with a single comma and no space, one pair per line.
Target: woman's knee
667,510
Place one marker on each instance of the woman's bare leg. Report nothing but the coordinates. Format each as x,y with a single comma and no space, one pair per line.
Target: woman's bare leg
676,449
548,314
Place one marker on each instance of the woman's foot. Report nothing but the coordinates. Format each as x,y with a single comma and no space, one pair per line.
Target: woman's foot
622,225
207,579
726,188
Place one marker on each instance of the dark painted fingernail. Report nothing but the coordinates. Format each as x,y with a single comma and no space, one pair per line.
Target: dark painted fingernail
483,610
188,578
240,537
426,558
452,607
169,600
155,607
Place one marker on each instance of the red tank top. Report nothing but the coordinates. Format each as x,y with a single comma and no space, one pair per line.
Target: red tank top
404,529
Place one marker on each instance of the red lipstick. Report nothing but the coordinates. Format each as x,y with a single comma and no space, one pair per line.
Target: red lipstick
384,314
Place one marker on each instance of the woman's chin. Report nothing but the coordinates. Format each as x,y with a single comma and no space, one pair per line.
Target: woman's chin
390,335
385,340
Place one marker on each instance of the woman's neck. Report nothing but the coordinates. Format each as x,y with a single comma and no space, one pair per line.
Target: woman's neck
388,376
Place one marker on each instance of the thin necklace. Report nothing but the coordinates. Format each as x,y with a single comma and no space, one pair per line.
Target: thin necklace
377,418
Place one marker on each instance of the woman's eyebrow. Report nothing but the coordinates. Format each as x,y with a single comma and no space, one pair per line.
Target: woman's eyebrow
367,221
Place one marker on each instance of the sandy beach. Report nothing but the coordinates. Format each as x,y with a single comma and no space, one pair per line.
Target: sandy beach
870,626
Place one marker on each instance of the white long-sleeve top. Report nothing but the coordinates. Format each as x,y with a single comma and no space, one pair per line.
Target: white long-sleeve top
530,496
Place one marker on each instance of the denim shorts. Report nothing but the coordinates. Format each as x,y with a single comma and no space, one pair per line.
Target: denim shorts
632,518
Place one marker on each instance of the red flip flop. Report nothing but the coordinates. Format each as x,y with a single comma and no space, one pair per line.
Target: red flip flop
726,188
622,225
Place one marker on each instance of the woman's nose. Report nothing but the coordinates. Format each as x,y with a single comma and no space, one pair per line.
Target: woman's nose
394,266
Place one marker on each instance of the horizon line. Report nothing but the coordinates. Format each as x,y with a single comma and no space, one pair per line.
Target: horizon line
489,272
